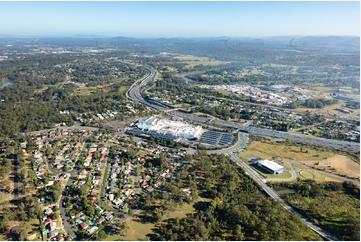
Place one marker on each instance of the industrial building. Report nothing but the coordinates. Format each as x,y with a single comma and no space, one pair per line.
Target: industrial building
271,166
168,129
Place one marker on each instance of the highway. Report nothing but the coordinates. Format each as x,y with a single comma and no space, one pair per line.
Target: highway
232,153
134,94
134,91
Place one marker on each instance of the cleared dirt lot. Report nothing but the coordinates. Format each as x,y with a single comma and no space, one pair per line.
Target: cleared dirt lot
337,164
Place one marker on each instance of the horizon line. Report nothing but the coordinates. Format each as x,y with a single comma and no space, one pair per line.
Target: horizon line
169,37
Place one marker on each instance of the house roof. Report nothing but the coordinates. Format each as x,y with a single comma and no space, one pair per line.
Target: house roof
84,225
144,183
79,214
48,220
101,219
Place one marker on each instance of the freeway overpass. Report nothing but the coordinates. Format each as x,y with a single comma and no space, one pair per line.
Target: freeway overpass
134,94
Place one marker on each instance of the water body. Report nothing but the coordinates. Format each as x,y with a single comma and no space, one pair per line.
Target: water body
5,84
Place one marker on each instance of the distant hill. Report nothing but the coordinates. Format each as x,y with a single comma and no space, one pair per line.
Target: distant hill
222,47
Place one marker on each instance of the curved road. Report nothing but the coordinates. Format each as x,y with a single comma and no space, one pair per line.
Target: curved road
134,94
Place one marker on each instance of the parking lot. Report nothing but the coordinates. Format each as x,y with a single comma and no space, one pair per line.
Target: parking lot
216,138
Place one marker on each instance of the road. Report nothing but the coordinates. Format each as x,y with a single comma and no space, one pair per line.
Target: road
77,127
134,94
67,226
120,215
102,191
272,193
184,75
16,178
50,167
134,90
240,145
55,96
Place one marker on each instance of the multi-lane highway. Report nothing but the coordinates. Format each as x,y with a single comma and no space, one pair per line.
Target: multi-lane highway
134,94
134,91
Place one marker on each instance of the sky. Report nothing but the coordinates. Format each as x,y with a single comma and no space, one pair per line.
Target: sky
179,19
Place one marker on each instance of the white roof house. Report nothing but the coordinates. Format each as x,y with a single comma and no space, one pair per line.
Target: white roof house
271,166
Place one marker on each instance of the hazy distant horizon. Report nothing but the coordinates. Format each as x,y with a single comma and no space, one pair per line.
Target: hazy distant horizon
170,37
179,19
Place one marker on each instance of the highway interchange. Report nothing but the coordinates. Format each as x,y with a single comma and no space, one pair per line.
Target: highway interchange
134,94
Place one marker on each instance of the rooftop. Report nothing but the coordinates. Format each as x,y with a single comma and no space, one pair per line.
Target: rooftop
270,165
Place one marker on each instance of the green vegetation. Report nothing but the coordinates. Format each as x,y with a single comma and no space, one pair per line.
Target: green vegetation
28,212
313,103
44,86
237,211
192,61
137,230
331,205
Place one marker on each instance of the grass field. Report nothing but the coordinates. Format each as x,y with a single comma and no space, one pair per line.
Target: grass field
320,158
303,172
180,212
326,108
284,175
192,61
253,71
273,149
86,91
43,89
337,164
89,90
138,230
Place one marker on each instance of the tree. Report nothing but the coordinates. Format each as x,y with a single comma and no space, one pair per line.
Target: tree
239,235
56,215
157,214
130,212
4,224
101,235
120,227
23,231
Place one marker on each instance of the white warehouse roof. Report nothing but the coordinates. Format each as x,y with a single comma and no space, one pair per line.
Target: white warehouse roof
270,165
